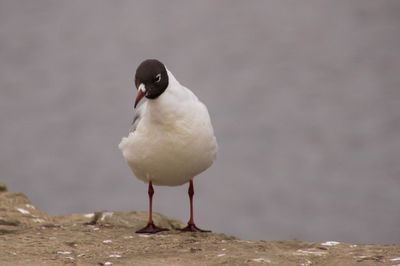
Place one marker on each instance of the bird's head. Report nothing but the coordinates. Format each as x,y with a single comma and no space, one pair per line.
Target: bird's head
151,79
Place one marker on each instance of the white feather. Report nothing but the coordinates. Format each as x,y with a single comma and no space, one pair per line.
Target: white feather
173,140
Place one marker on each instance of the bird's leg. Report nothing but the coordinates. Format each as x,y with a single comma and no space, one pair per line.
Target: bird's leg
151,228
191,226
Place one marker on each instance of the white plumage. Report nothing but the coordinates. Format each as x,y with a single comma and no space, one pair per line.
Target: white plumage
172,140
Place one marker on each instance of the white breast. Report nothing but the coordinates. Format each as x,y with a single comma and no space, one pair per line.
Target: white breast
174,140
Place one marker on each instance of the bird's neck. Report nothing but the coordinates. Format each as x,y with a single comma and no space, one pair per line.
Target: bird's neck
168,106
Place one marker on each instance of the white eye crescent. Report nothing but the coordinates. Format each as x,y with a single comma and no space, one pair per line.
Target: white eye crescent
158,78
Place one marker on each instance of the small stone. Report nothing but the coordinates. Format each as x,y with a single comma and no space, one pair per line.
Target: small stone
7,229
64,252
95,218
262,260
50,225
11,222
72,244
3,187
23,211
330,243
193,250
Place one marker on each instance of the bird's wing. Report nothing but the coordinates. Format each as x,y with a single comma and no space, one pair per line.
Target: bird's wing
138,114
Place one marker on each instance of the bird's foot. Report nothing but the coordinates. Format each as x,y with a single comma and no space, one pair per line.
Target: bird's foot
151,228
191,227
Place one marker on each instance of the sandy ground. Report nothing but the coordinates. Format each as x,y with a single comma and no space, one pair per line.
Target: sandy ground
29,236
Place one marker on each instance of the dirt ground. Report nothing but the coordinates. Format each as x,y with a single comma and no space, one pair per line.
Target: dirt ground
29,236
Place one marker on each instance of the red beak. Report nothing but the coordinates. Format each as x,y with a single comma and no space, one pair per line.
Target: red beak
140,94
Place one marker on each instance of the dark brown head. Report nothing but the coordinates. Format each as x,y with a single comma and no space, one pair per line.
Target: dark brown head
151,79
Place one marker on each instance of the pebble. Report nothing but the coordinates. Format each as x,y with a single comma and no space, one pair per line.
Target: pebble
23,211
261,260
3,187
64,252
330,243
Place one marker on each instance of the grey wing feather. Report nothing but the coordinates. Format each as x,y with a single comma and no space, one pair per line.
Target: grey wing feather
137,115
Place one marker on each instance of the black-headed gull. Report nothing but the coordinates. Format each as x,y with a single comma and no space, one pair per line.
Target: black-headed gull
171,140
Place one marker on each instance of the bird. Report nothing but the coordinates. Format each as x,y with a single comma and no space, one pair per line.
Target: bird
171,139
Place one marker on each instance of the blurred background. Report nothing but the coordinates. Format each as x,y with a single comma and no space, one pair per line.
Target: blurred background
304,97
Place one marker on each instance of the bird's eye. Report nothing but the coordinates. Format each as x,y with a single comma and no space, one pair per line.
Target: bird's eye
157,78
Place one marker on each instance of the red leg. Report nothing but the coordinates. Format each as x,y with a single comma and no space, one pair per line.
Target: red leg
151,228
191,226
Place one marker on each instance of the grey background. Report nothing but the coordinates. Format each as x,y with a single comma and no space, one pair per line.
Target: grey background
304,97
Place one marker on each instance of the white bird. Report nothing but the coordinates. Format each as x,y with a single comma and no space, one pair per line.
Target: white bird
171,140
